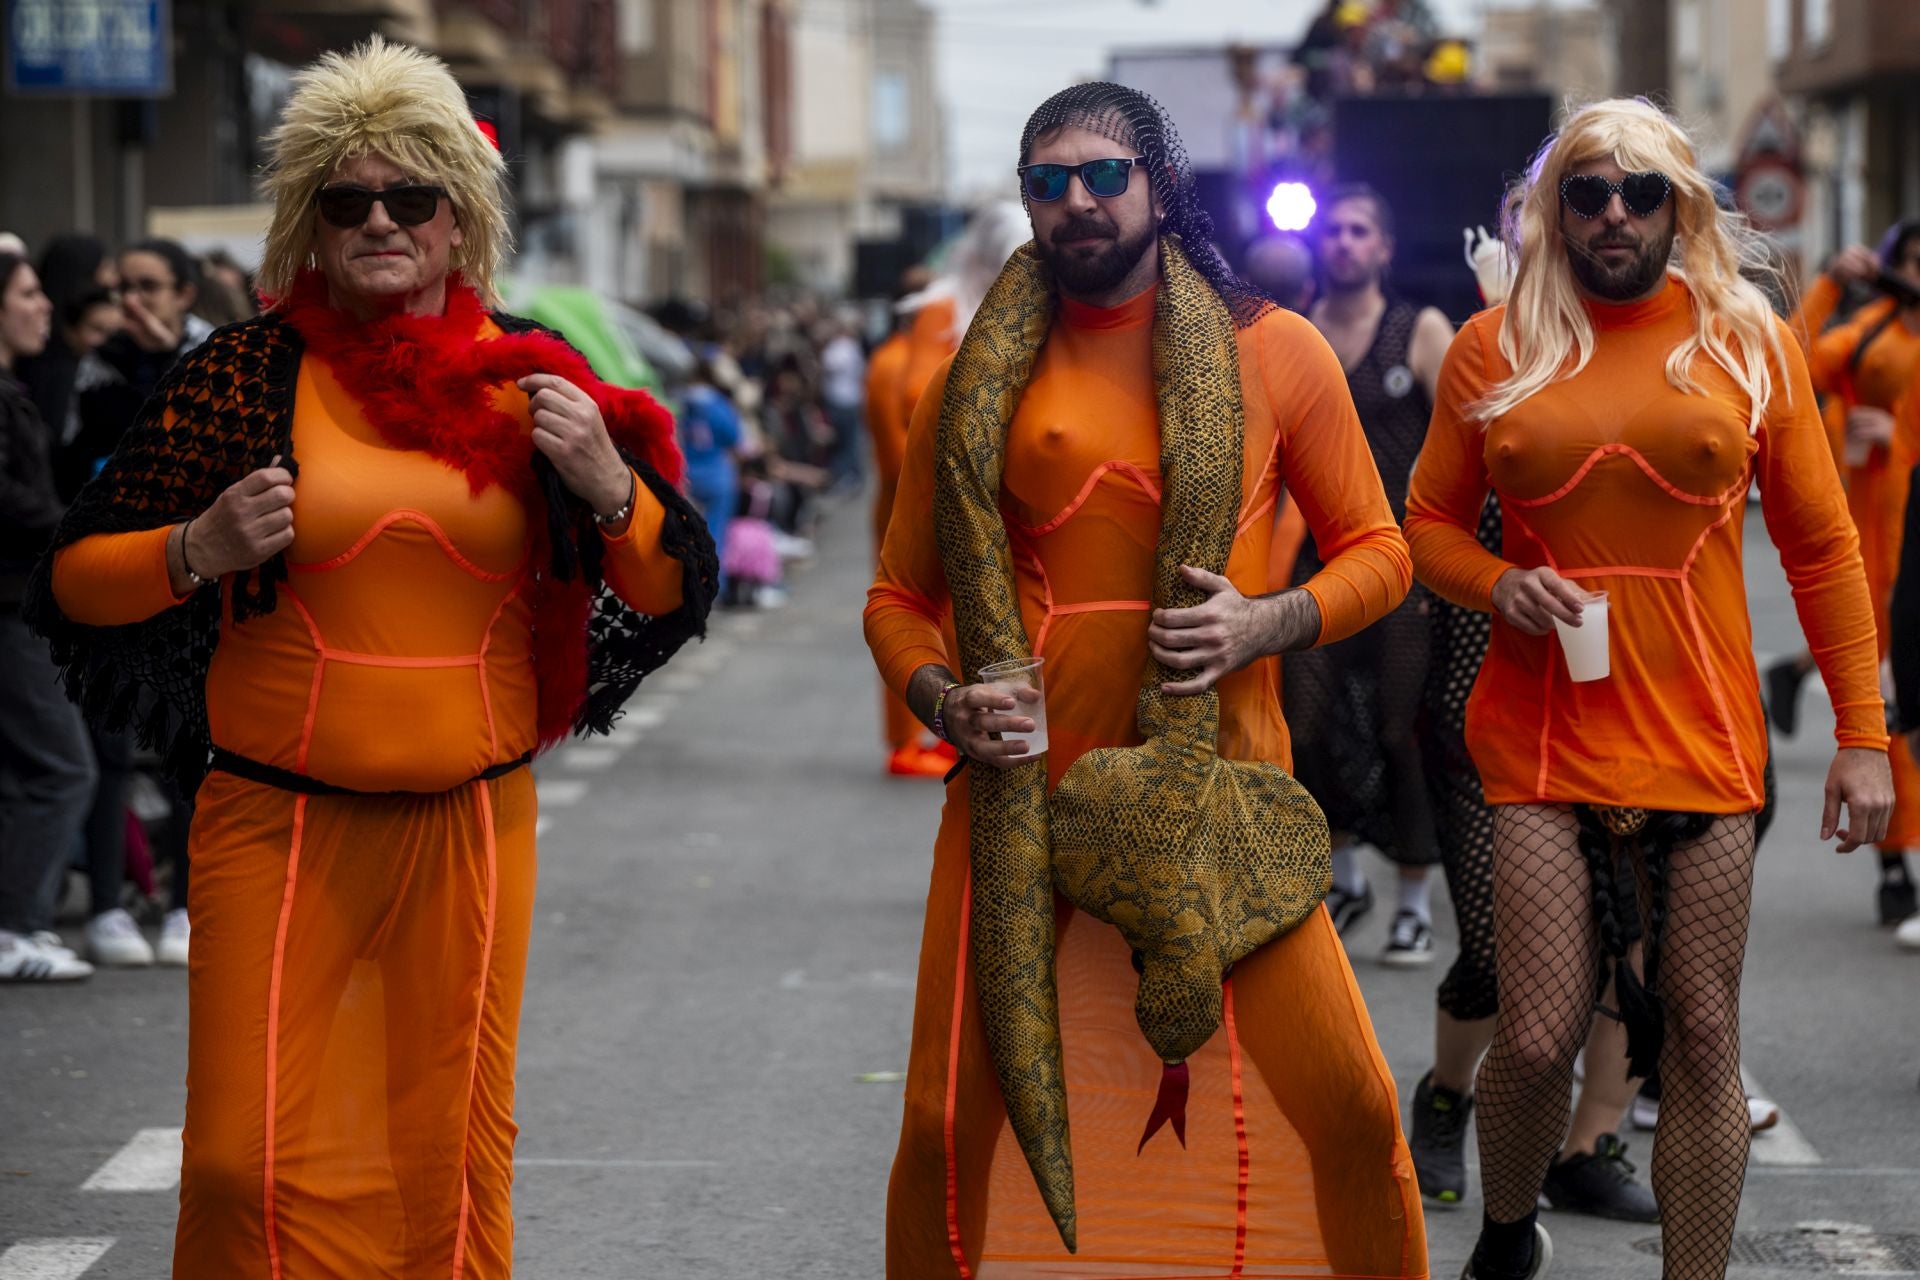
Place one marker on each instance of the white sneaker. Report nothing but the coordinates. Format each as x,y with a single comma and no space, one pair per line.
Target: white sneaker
1908,934
48,940
1762,1115
24,960
114,941
1645,1113
174,933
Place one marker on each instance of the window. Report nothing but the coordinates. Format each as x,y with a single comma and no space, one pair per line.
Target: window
1816,23
892,111
1779,29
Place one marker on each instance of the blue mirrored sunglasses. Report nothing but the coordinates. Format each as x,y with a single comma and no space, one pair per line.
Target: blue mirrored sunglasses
1103,178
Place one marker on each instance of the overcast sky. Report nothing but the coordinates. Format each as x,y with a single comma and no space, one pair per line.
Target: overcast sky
999,59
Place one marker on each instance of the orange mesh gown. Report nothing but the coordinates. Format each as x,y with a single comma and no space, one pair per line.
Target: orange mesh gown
1880,376
1294,1163
1620,481
358,961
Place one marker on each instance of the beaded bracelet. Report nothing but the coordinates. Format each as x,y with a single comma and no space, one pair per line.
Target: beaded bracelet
939,712
186,564
633,493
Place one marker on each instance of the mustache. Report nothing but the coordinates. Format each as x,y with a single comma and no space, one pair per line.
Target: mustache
1084,228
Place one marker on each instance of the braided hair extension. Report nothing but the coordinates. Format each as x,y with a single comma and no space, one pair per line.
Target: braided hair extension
1136,120
1605,835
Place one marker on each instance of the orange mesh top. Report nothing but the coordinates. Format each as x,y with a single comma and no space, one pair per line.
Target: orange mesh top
887,410
400,657
1621,482
1887,366
1081,497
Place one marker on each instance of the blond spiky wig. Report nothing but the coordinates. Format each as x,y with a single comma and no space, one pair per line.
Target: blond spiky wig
394,101
1547,335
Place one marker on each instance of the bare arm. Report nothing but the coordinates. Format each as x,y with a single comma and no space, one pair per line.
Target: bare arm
1432,335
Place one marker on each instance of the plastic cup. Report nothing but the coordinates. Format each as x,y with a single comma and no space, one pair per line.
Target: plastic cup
1015,677
1586,644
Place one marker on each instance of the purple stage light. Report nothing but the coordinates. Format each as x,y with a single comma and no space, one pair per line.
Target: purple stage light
1291,206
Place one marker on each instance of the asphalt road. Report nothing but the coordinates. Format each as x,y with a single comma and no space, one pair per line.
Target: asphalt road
721,985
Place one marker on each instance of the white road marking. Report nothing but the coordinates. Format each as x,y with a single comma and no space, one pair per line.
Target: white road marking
1835,1171
680,681
151,1162
542,825
51,1259
1783,1144
590,759
643,718
560,792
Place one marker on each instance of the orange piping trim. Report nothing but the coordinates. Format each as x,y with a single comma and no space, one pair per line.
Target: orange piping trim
1239,1134
1623,571
1046,596
313,692
273,1031
1104,606
1254,515
1086,491
1700,647
1546,674
954,1244
486,685
353,659
386,522
483,799
1633,454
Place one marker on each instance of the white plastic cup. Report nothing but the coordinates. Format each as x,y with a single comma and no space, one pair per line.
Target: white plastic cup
1586,644
1016,677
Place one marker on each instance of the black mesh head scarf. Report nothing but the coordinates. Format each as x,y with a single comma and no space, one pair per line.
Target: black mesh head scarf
1133,119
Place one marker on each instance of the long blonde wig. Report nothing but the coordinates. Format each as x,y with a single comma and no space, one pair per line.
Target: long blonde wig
394,101
1547,334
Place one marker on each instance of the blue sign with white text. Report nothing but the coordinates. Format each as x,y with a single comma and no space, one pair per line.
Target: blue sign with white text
118,48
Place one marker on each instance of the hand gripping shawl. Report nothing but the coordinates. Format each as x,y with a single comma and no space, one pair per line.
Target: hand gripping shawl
1196,860
226,410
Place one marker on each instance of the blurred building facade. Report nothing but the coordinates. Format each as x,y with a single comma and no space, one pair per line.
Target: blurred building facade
656,147
1544,46
867,142
1853,67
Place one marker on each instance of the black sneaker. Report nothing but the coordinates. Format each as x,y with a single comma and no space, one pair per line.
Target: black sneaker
1439,1141
1600,1185
1784,679
1542,1260
1409,942
1346,908
1896,899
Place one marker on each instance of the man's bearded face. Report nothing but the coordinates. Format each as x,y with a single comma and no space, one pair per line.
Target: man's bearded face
1092,244
1617,256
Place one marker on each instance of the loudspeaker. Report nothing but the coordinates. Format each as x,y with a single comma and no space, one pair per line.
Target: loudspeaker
1443,163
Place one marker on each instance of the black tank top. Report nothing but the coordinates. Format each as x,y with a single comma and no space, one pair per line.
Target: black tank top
1393,406
1393,411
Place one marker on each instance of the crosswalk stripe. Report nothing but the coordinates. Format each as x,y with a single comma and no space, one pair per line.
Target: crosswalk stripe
150,1162
1784,1143
51,1259
559,792
589,759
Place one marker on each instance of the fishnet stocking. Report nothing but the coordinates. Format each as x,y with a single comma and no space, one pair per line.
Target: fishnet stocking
1547,955
1462,819
1700,1149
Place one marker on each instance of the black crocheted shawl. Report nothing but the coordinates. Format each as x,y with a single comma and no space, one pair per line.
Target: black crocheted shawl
226,410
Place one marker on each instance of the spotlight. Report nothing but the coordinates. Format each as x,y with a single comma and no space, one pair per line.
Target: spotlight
1291,206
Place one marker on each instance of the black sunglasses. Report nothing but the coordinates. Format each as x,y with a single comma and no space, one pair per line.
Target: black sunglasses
1587,194
1106,179
348,206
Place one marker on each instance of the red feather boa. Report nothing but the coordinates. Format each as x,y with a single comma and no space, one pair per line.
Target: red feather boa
430,384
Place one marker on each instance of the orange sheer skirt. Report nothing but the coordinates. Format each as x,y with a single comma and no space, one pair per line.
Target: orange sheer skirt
1294,1163
355,1002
